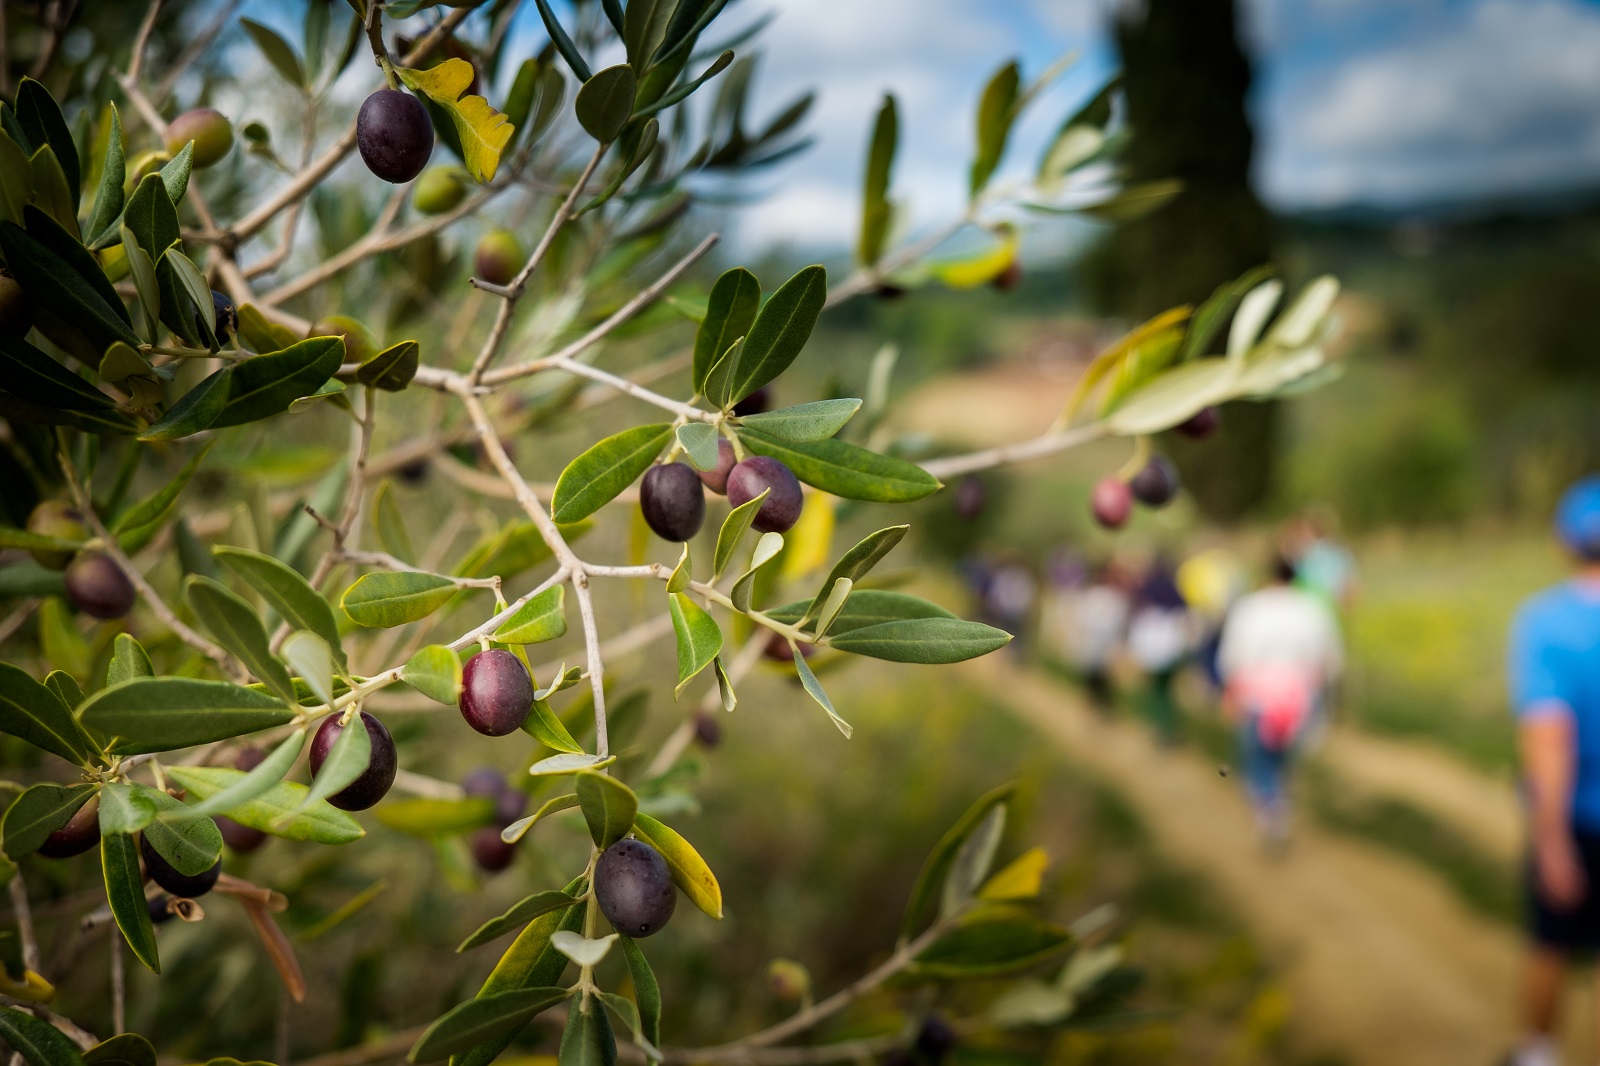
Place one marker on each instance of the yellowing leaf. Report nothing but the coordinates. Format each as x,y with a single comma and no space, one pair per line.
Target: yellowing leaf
484,132
1021,879
811,540
1111,358
980,269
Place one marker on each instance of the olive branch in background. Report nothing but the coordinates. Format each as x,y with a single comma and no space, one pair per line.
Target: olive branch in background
308,694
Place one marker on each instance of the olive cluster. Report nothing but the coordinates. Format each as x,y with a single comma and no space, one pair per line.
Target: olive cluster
95,584
672,495
1155,485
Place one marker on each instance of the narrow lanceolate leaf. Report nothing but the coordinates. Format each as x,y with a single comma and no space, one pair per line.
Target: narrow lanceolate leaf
477,1020
857,562
972,861
389,522
386,599
191,843
806,422
596,477
35,377
833,604
237,627
608,805
605,103
195,409
814,689
689,871
521,913
119,863
52,283
149,714
151,217
286,592
265,385
725,692
732,532
37,715
273,811
876,211
865,607
997,110
628,1013
266,774
125,808
699,443
569,763
42,121
588,1039
923,640
36,1040
278,52
930,881
543,725
563,43
194,287
346,761
434,671
699,639
780,330
683,573
154,510
992,942
108,200
430,818
730,311
846,470
482,131
767,549
1209,318
145,282
393,368
37,813
646,991
519,828
310,660
540,619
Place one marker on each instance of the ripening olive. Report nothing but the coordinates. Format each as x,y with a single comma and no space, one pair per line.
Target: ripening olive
673,501
394,134
210,131
54,518
241,838
1201,424
160,906
1009,278
970,497
496,692
359,343
755,403
1111,502
98,587
779,651
81,833
707,730
440,189
163,873
226,314
499,257
755,475
634,887
716,479
1157,483
16,310
488,782
935,1039
490,852
375,780
414,472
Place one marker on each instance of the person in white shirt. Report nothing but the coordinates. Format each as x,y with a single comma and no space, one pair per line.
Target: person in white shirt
1280,650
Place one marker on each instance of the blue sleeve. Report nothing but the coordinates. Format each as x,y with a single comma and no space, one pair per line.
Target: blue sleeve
1535,666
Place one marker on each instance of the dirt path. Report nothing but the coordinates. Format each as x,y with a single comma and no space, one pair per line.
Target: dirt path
1384,964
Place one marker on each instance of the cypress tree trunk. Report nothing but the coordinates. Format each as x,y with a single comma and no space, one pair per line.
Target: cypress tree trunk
1186,81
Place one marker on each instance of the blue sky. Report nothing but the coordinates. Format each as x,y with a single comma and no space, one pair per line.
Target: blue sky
1387,102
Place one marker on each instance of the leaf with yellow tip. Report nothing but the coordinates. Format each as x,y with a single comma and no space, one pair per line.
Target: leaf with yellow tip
484,132
985,266
689,871
1021,879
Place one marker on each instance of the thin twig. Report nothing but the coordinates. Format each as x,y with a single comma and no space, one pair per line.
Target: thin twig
1047,444
24,916
141,40
194,49
17,617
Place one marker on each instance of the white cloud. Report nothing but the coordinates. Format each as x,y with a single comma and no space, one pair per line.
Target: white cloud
1506,97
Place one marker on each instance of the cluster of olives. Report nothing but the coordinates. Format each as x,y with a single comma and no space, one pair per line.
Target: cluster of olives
489,849
82,832
673,500
95,584
1155,485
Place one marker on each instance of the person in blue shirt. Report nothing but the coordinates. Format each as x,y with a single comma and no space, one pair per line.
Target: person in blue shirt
1554,668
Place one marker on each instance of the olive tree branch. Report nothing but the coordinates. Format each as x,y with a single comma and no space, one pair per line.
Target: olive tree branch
141,39
508,306
24,916
1046,444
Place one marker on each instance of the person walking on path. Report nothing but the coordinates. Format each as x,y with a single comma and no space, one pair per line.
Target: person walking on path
1280,650
1554,671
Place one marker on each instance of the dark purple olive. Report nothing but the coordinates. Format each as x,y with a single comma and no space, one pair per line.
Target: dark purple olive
1111,502
716,479
634,888
486,781
673,501
755,403
160,906
1157,483
935,1039
241,838
249,757
490,852
779,651
394,134
889,291
496,692
55,518
414,472
227,316
1201,424
81,833
166,875
375,780
707,730
970,497
97,586
758,473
